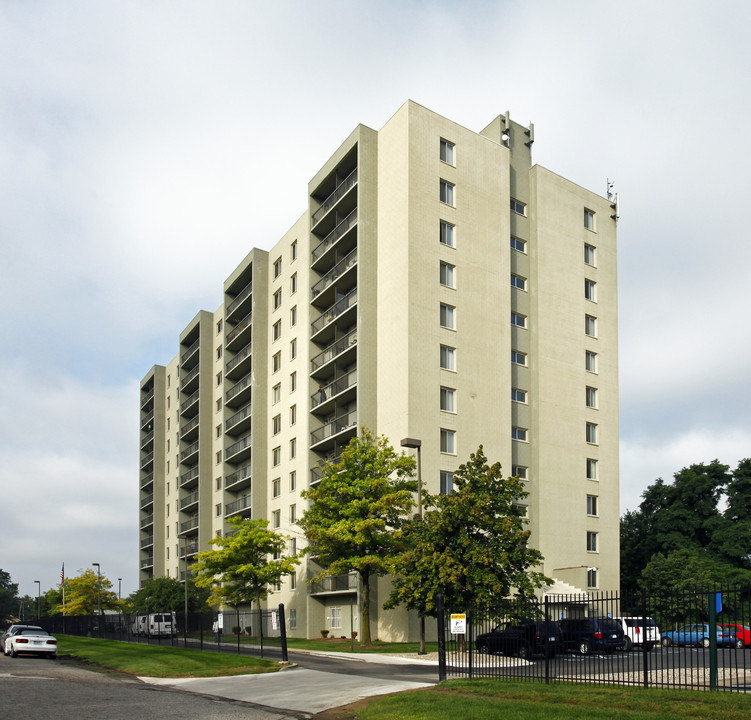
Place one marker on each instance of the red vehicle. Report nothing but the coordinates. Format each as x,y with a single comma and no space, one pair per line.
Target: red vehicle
742,634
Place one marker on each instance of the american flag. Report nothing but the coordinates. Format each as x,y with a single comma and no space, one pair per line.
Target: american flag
62,574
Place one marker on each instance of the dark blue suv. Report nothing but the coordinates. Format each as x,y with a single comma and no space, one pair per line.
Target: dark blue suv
586,635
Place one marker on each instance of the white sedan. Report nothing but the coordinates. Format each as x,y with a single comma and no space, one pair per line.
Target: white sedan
32,641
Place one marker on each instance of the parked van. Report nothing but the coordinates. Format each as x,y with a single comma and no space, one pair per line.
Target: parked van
155,625
635,634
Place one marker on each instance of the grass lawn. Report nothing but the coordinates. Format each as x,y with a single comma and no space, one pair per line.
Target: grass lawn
160,661
492,699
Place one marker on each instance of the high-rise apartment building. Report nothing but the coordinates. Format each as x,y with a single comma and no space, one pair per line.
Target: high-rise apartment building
438,287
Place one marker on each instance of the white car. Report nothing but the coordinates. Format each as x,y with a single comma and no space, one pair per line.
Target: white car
31,641
635,634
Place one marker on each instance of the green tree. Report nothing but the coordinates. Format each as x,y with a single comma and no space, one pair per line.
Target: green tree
243,564
85,593
471,544
165,593
8,597
732,542
357,513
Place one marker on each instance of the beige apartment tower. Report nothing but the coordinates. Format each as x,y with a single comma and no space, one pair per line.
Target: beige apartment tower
438,287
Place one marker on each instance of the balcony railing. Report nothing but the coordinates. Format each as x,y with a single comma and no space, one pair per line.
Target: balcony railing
186,477
238,417
335,273
189,524
185,429
148,562
333,312
238,476
237,447
334,583
333,350
147,501
147,541
341,189
148,396
240,327
343,422
334,388
232,364
147,480
147,419
242,503
189,500
185,379
147,438
247,290
185,404
147,460
331,239
185,355
238,387
188,452
148,520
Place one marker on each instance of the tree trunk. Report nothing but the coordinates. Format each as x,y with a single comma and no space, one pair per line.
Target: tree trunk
365,609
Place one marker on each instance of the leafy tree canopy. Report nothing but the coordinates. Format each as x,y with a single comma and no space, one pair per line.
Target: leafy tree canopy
85,593
357,513
471,545
241,567
168,594
8,597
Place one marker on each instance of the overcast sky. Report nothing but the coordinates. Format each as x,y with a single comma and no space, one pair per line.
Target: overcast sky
137,138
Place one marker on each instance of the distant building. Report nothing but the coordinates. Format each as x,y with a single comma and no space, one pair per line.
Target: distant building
437,287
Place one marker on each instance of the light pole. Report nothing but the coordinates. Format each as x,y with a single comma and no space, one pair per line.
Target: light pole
119,588
98,589
39,599
417,445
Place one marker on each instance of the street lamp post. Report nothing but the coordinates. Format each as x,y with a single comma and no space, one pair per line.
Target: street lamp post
417,445
98,588
39,599
119,588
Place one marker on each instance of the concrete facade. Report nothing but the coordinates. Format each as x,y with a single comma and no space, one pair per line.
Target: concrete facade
439,286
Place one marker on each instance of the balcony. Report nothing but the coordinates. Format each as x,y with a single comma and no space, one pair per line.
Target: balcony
189,525
326,436
241,506
238,303
189,501
240,334
190,548
147,563
147,521
342,350
333,199
147,461
189,382
189,406
239,365
343,389
337,315
239,422
147,541
189,456
189,356
189,479
146,398
147,441
147,421
239,393
343,237
147,481
238,451
322,292
189,431
316,473
239,479
147,501
334,584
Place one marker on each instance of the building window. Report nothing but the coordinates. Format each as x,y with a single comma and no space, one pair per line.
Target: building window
592,433
276,393
519,471
276,362
518,244
518,395
447,482
447,275
448,441
518,207
218,326
277,268
278,299
292,414
293,481
518,281
591,577
218,432
335,618
518,320
518,358
591,395
293,382
590,326
276,424
448,358
276,456
293,615
218,513
219,457
591,504
218,483
293,250
591,541
519,433
447,399
447,234
219,352
589,219
276,330
447,192
219,378
293,448
589,290
589,254
276,519
293,284
590,361
276,487
293,349
591,469
447,317
447,151
293,316
292,514
218,404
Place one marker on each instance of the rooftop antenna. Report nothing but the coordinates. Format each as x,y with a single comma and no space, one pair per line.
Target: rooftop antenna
610,184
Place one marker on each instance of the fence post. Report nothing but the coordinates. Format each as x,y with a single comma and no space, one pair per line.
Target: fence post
283,631
645,664
712,602
548,649
441,617
468,641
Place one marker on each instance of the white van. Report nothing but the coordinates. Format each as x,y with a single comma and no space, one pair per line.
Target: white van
635,635
155,625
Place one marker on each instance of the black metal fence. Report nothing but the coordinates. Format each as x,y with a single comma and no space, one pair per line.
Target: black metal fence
251,632
662,639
